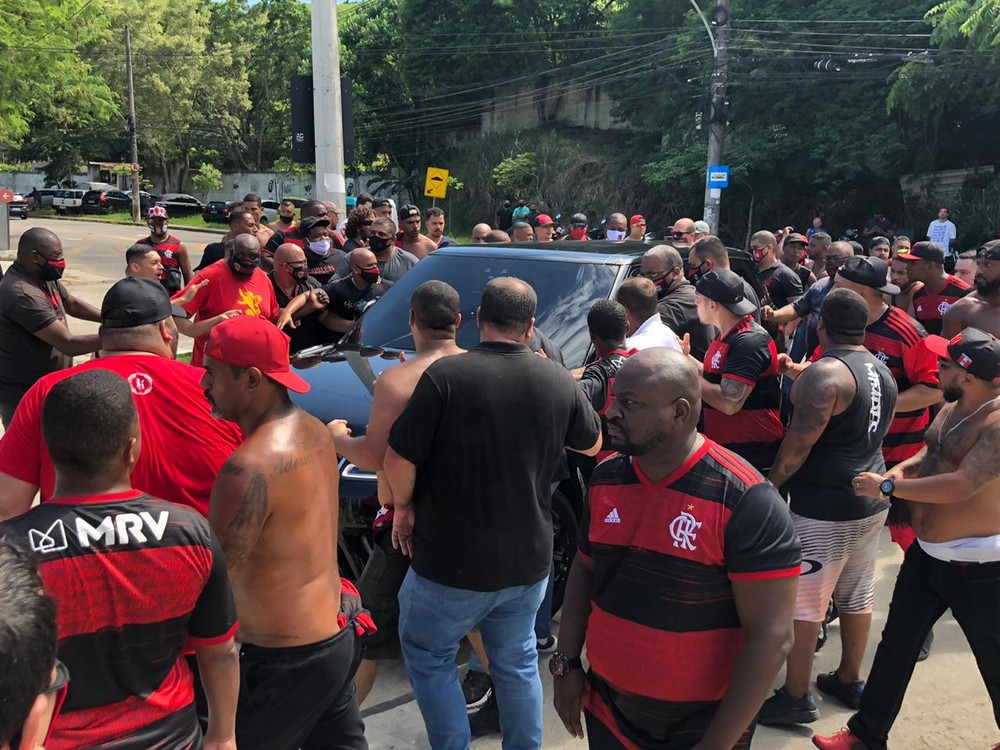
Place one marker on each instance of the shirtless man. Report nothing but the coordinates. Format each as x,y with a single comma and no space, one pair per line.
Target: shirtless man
412,241
434,318
952,485
981,307
274,508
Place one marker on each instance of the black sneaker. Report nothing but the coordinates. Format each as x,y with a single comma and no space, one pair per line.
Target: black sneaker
848,693
781,709
823,635
486,720
925,650
548,645
478,689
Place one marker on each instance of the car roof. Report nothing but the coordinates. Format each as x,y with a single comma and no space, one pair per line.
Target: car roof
595,251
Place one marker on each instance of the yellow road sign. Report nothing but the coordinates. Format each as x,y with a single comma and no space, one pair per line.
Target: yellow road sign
436,184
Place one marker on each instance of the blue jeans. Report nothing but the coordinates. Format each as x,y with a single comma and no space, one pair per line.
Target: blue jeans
433,619
543,620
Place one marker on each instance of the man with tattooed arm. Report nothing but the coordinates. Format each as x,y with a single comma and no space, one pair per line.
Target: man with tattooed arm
274,509
955,564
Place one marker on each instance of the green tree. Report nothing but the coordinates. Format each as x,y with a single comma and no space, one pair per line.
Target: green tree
207,178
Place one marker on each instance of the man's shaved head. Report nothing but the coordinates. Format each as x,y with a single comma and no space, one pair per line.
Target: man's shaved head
361,257
247,243
508,304
288,253
667,254
496,237
37,239
668,373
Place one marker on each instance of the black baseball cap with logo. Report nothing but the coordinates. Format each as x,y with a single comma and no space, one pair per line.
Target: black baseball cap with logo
726,288
408,211
870,272
975,351
923,251
136,302
989,251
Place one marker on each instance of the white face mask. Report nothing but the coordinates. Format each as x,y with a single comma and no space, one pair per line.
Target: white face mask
614,235
152,228
320,247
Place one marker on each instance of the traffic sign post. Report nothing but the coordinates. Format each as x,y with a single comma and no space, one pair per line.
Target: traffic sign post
436,184
135,167
718,177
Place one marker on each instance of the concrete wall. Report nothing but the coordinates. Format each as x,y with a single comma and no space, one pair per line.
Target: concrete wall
942,186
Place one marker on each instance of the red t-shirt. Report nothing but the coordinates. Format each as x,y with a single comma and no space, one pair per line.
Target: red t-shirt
183,445
227,291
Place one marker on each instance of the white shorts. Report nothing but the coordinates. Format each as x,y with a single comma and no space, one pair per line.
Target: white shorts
838,561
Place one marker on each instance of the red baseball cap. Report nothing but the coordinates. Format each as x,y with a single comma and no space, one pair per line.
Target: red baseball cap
637,219
250,341
544,220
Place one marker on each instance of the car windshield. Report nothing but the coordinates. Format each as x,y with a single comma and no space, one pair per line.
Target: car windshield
565,290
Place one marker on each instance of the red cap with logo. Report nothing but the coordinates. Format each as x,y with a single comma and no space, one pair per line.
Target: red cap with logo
544,220
250,341
156,212
636,219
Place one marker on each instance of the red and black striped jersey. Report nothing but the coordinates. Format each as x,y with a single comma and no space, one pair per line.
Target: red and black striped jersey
747,354
169,250
134,579
929,309
664,555
897,340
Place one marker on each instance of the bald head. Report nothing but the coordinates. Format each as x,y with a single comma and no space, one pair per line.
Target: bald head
40,240
667,375
683,225
288,253
361,257
479,233
508,305
246,244
496,237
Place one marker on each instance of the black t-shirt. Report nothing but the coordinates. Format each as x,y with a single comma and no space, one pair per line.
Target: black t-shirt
392,268
486,431
214,251
781,283
26,307
309,332
323,268
678,308
347,301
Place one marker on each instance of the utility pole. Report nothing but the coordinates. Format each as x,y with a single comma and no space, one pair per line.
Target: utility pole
330,183
718,107
133,128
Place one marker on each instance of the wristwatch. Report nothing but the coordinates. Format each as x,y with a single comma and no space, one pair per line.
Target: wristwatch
887,487
561,665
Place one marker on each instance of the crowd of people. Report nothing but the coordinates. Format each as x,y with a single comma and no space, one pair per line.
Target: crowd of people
748,422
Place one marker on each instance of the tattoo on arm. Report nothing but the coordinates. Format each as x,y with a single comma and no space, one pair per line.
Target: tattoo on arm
980,465
813,410
734,390
244,528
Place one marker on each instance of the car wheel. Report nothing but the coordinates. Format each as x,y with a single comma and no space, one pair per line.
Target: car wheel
565,536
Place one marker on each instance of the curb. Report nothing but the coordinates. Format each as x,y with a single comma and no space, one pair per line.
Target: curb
92,220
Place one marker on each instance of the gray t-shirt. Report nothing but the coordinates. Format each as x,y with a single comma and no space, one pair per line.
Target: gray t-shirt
392,269
26,307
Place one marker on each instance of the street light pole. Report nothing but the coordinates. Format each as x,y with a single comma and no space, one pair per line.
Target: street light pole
132,127
330,183
718,109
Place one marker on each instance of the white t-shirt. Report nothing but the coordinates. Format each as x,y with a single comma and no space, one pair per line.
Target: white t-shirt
653,332
941,233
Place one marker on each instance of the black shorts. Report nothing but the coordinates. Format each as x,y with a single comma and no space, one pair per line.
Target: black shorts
301,697
379,586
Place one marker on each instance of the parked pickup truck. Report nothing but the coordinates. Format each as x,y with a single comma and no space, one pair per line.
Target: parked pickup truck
68,201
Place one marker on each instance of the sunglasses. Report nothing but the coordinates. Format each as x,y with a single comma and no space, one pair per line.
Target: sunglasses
297,265
679,234
367,222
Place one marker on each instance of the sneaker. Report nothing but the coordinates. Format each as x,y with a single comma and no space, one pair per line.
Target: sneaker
848,693
478,689
781,709
925,650
548,645
487,719
842,740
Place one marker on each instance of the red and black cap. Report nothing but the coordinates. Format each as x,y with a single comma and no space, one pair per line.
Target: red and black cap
975,351
923,251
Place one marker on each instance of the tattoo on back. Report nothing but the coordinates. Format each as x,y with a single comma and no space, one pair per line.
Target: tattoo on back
245,526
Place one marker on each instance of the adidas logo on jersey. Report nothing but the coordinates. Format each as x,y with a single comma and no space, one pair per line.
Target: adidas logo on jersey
613,517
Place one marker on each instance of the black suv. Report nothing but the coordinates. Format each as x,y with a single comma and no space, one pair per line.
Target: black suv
568,280
180,204
106,201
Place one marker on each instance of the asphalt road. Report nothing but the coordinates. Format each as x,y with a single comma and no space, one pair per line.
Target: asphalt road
946,708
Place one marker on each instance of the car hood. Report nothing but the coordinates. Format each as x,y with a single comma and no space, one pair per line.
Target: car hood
342,389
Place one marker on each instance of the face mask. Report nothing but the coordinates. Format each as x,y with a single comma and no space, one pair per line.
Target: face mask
695,274
299,274
378,244
758,255
152,229
53,270
614,235
285,219
320,247
577,233
370,275
242,268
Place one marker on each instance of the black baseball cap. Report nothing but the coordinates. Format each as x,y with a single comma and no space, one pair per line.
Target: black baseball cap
135,302
310,223
975,351
870,272
796,237
923,251
408,211
578,219
989,251
726,288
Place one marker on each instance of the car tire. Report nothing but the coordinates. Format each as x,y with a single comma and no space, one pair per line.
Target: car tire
565,538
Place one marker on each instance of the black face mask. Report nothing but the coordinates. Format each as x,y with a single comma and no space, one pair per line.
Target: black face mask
696,273
242,268
378,244
286,219
370,275
53,270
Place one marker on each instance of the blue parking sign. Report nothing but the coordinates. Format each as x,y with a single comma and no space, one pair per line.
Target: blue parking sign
718,177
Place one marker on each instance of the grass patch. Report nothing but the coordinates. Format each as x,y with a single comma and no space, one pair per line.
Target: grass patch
184,357
121,217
